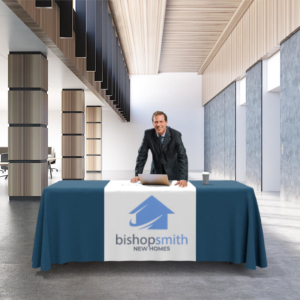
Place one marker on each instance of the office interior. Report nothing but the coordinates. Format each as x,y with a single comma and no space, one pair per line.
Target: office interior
227,75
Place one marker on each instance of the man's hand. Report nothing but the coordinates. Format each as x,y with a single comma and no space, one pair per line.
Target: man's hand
181,183
135,179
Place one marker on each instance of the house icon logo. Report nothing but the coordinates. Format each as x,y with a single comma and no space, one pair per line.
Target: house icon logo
151,214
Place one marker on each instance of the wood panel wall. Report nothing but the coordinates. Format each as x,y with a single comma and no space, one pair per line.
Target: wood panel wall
93,138
258,34
73,108
28,120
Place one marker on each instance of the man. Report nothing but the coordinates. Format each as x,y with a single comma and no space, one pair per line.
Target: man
168,152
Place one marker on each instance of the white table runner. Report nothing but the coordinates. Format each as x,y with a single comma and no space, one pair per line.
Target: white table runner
149,222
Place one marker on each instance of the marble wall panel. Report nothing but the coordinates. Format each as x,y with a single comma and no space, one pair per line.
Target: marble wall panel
219,135
219,142
207,138
254,127
230,132
290,118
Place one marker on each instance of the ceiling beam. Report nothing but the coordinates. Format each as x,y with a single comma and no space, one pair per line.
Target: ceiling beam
242,8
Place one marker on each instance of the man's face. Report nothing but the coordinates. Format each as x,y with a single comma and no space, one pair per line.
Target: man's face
160,125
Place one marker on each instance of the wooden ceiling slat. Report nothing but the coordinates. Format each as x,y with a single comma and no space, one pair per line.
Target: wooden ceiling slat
161,35
140,29
203,3
192,27
198,16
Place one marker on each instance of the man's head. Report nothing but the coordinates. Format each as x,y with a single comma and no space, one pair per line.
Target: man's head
160,122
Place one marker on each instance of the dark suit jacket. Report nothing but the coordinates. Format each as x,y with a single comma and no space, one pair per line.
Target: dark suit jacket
173,158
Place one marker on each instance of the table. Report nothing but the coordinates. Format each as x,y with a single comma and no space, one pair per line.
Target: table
217,222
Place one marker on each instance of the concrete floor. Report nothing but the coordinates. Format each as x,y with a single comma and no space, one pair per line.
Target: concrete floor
149,280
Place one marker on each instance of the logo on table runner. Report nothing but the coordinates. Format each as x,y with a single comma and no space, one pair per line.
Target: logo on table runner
151,214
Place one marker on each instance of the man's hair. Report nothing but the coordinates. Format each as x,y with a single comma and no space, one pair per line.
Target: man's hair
157,113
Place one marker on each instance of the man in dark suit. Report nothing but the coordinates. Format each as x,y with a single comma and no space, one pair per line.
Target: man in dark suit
168,152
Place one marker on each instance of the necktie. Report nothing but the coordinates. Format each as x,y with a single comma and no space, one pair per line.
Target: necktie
160,138
160,141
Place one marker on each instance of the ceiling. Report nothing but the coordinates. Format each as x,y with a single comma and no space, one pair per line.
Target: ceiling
16,36
140,25
169,36
156,36
191,29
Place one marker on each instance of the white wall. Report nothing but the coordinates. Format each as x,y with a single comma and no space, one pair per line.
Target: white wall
54,134
3,128
273,69
270,133
242,91
179,95
240,133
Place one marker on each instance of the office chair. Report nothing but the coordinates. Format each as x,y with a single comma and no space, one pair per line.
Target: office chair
4,158
52,163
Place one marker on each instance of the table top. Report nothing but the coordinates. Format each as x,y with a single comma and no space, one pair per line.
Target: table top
220,185
127,186
214,186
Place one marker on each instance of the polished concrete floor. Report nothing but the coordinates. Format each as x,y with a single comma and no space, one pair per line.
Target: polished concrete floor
149,280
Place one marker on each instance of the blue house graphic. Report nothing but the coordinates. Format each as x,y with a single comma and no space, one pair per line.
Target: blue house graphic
151,213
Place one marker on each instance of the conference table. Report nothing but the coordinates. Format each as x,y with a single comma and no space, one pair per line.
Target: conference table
81,221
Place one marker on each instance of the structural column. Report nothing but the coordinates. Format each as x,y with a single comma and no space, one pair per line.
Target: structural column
73,108
94,138
28,120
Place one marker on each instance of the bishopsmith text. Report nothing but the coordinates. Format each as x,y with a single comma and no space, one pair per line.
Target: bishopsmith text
134,240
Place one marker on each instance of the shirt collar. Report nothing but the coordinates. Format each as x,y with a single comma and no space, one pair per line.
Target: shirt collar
161,135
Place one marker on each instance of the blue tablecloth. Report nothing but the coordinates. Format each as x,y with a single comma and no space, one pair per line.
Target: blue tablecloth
70,225
228,225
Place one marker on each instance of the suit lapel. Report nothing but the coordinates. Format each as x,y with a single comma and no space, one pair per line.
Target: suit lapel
155,141
167,139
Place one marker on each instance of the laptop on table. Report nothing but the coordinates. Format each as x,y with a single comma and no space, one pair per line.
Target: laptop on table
154,179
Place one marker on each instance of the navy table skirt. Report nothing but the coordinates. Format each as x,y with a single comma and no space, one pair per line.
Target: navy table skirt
70,224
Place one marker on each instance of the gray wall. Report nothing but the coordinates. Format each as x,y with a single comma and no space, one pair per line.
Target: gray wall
219,134
254,127
290,118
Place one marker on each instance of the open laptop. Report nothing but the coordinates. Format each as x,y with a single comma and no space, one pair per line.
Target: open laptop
154,179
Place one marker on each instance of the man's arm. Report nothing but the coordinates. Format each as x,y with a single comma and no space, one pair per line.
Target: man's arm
182,159
142,157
